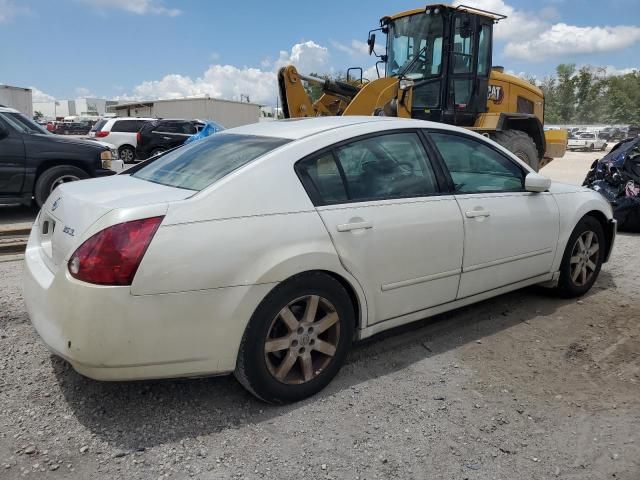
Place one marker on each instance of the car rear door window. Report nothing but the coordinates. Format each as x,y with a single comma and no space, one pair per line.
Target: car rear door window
200,164
476,167
386,166
127,126
323,180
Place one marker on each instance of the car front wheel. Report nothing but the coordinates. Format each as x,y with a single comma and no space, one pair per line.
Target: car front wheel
582,258
297,339
52,178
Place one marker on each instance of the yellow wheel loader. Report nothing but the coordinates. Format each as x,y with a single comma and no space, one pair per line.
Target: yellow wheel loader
437,67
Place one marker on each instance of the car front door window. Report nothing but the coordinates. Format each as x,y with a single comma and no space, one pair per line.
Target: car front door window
386,166
475,167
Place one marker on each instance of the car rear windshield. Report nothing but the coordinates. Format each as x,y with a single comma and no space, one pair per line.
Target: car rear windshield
98,126
202,163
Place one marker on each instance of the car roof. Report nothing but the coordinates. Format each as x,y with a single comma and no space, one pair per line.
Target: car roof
297,128
8,110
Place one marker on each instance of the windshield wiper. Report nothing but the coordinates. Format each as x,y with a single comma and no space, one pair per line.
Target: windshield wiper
412,62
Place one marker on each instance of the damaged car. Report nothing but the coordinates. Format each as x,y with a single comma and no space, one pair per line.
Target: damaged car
617,177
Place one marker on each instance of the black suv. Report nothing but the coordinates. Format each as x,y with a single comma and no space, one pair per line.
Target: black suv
161,135
33,161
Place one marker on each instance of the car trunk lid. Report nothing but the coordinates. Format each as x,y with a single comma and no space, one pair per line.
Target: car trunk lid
74,207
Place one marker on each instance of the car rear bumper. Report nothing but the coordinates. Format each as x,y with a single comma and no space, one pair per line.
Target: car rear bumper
106,333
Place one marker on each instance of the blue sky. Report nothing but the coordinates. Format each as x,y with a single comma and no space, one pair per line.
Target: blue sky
169,48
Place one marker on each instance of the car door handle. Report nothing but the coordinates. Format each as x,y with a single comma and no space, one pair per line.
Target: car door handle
347,227
477,213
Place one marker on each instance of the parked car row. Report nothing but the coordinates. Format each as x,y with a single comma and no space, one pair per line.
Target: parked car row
69,128
141,138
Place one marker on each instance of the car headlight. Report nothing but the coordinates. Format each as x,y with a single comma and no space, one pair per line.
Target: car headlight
106,157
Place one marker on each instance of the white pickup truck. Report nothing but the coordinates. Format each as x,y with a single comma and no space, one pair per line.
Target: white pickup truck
587,141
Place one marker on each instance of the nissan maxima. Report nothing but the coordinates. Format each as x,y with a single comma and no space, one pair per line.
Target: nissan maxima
266,250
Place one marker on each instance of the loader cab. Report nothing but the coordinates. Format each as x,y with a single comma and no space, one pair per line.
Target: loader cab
444,54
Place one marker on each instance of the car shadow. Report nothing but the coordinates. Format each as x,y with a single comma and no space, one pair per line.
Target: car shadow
142,414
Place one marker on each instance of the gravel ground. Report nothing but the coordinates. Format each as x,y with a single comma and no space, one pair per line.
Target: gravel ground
523,386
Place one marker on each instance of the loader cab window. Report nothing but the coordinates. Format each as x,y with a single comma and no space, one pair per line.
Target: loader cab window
415,35
463,45
484,51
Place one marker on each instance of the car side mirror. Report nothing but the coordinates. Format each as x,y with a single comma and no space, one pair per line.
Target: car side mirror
534,182
3,132
371,41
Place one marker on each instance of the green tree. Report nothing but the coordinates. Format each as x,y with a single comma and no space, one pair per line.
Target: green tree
566,91
622,103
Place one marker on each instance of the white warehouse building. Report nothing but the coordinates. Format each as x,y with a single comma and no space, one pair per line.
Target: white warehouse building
18,98
227,113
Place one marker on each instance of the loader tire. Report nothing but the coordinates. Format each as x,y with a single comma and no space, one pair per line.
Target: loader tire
520,144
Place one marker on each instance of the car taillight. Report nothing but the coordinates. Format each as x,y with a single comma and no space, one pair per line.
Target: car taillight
101,133
112,256
138,137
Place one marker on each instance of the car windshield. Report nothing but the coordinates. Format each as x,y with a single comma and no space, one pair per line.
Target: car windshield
22,124
200,164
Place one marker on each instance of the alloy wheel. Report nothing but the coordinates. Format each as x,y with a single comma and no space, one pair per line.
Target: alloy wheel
126,155
302,340
63,179
584,258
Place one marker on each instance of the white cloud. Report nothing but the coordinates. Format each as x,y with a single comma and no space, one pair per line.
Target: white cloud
307,56
139,7
518,24
611,71
230,82
9,10
562,39
83,92
536,35
38,95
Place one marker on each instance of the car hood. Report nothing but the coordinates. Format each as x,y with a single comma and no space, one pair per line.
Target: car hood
89,144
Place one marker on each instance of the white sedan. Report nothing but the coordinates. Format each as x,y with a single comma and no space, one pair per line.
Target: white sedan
266,250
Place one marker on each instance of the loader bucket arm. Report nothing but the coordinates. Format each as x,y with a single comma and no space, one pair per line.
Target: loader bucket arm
295,100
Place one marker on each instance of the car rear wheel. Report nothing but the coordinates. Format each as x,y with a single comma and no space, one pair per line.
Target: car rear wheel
127,154
52,178
582,258
156,151
297,339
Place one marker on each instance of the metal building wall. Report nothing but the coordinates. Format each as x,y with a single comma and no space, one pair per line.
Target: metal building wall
16,97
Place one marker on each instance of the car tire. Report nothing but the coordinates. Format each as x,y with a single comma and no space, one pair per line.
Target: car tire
53,177
287,353
127,154
582,259
520,144
156,151
604,147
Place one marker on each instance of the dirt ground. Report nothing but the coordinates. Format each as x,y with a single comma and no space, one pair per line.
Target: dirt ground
523,386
